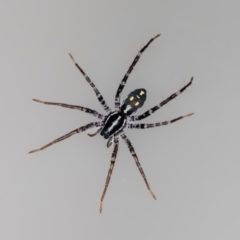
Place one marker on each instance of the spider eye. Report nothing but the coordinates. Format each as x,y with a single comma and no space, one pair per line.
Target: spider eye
134,101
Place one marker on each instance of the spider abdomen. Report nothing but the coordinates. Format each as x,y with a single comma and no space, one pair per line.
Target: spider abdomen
134,101
115,122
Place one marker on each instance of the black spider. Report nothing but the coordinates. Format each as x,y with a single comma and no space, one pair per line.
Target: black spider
111,126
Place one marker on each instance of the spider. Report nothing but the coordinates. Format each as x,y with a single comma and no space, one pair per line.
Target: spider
111,126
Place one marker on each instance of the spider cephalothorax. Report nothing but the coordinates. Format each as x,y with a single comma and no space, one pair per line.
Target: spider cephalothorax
116,121
112,125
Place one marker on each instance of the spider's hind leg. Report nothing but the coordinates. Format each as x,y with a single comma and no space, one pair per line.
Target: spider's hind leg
125,78
152,110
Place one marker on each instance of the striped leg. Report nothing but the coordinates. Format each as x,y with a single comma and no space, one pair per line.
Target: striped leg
152,125
124,80
78,130
113,158
99,96
152,110
132,151
87,110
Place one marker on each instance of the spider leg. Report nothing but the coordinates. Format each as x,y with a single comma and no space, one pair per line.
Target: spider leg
99,96
78,130
124,80
152,110
113,158
84,109
94,134
132,151
152,125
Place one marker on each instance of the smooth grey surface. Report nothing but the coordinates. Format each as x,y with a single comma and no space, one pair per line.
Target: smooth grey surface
192,166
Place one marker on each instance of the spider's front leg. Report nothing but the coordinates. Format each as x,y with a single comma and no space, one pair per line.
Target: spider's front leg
132,151
78,130
113,158
125,78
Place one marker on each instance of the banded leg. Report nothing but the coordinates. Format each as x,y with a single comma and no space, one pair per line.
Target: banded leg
113,158
78,130
99,96
152,125
132,151
84,109
152,110
124,80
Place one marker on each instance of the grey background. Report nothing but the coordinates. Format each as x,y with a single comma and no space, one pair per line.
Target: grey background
192,166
